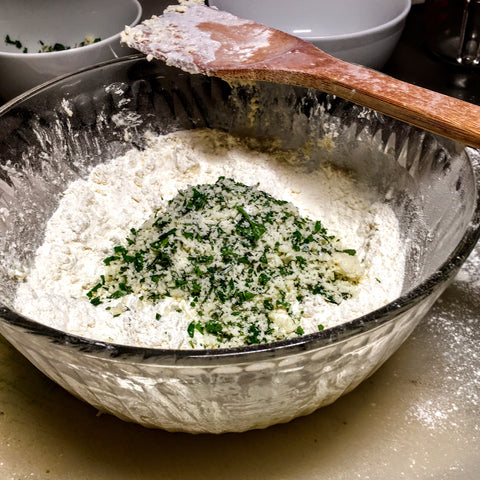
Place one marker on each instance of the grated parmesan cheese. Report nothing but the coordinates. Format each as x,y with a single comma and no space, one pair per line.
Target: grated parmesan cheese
87,279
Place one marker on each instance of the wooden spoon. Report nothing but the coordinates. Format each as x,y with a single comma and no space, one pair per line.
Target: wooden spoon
213,42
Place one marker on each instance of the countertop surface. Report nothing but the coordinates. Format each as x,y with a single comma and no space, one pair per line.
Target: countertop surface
418,417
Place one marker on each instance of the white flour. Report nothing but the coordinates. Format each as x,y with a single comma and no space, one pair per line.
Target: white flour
97,213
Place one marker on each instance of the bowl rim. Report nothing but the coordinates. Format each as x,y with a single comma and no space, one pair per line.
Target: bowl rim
259,352
84,49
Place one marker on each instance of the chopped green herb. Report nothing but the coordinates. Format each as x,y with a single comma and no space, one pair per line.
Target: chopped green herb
55,47
238,257
349,251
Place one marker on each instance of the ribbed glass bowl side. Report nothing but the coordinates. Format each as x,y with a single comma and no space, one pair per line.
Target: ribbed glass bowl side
56,133
217,398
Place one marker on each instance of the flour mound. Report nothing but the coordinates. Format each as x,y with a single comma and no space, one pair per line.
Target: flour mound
99,212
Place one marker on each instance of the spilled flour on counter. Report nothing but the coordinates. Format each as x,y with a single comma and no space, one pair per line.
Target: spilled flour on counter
80,282
451,331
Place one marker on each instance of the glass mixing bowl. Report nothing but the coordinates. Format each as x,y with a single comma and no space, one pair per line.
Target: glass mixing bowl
55,133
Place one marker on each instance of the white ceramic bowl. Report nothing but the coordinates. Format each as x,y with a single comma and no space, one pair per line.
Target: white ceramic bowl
66,23
358,31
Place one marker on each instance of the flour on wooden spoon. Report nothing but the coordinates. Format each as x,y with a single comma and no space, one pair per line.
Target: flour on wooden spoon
177,35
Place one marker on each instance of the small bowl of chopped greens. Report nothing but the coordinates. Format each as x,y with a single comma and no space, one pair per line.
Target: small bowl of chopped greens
201,256
42,40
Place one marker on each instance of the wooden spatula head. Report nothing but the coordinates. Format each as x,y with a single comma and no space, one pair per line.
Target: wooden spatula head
207,40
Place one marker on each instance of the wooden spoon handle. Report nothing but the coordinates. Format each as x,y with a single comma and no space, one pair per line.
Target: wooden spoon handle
206,40
309,67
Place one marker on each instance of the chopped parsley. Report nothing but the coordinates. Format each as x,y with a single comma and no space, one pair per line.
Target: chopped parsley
16,43
241,259
55,47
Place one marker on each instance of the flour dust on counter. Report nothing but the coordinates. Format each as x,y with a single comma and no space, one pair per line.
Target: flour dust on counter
206,240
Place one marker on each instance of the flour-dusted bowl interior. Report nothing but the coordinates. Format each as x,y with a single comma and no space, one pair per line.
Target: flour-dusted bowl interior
28,26
358,31
56,134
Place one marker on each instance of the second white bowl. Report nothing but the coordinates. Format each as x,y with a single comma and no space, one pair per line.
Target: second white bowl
358,31
66,23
